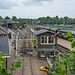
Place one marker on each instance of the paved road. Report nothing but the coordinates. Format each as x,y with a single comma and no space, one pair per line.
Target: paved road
30,65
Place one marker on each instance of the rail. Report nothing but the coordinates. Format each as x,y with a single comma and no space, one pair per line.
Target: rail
63,49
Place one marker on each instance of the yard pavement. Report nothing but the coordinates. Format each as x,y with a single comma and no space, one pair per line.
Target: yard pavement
29,65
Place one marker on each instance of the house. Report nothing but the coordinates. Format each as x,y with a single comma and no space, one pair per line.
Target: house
4,43
46,45
10,24
3,31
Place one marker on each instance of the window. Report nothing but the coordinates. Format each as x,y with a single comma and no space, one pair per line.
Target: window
44,39
47,40
52,54
42,54
50,40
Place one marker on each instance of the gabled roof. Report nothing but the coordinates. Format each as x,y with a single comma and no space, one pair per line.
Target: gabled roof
5,30
4,46
42,31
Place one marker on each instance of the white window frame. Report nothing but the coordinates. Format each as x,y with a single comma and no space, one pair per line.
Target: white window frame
47,40
42,55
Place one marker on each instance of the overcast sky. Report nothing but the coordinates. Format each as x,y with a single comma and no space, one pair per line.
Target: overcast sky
37,8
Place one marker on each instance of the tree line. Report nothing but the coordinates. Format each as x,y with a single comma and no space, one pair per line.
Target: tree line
43,20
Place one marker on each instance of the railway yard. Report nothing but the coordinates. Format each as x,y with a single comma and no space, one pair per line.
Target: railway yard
30,65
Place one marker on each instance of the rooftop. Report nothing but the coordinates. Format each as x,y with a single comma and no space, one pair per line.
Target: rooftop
4,29
73,32
4,46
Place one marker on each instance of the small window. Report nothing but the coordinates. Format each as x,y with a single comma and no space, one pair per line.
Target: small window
47,40
50,40
42,54
52,54
44,39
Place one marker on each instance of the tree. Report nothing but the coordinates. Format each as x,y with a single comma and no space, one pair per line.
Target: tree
68,62
66,18
1,17
7,17
14,18
57,17
15,64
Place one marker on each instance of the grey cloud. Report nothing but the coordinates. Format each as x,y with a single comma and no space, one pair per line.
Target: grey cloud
5,4
34,2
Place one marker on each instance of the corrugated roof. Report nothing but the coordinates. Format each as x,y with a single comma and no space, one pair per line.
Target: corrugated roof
4,46
73,32
46,27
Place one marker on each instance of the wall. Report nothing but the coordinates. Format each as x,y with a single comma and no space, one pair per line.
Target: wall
45,45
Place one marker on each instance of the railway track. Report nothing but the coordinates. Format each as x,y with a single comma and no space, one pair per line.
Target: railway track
61,50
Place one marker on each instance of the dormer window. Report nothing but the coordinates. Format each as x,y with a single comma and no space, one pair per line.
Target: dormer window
47,40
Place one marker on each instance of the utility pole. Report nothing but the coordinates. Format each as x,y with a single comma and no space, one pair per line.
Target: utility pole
63,23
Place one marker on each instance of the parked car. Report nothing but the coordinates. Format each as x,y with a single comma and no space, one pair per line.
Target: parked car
14,42
44,68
